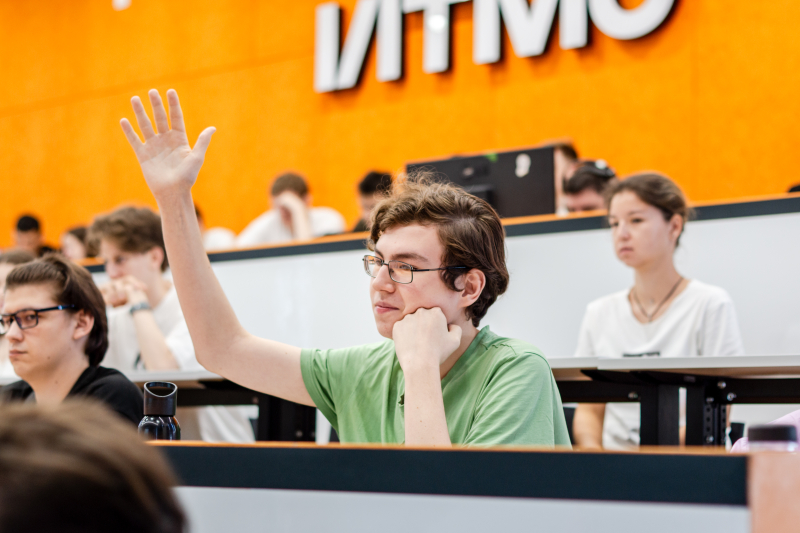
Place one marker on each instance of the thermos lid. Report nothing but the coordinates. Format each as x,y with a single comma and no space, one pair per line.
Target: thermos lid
160,398
772,433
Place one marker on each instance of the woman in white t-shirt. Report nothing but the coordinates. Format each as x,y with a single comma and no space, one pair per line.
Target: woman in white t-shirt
662,315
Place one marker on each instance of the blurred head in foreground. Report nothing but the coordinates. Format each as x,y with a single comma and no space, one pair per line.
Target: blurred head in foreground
75,468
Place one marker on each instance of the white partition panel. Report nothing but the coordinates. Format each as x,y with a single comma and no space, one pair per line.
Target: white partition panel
322,299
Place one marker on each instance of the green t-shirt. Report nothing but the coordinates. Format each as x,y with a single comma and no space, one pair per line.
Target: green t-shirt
501,391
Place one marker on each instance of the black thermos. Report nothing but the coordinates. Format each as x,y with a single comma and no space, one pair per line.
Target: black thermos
160,402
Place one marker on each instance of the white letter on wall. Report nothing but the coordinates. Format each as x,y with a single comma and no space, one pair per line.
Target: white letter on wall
436,35
332,72
620,23
390,41
528,26
326,46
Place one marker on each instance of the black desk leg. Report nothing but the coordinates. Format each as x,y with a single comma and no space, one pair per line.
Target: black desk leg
285,421
706,418
660,412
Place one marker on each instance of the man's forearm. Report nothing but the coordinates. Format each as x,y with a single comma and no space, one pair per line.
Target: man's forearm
425,420
155,353
205,306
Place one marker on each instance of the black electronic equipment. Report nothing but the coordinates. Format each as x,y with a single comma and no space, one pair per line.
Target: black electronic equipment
516,183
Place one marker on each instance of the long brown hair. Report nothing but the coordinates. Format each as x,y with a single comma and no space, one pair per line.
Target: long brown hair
72,285
469,229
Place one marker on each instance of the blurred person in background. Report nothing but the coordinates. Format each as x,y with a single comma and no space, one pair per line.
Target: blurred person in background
214,239
291,218
565,162
585,189
662,315
28,236
8,261
54,320
146,327
74,244
75,467
373,188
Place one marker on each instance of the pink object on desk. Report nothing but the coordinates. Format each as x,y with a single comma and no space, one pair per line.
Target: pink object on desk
792,419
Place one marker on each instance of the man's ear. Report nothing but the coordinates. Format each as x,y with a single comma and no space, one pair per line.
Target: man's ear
156,255
83,325
471,286
307,199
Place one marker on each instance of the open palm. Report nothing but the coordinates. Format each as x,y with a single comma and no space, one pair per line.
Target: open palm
168,162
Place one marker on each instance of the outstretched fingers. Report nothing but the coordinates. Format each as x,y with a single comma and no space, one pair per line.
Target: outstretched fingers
142,119
133,139
203,141
175,112
159,113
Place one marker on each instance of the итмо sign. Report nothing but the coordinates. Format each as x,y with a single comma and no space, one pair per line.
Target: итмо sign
528,27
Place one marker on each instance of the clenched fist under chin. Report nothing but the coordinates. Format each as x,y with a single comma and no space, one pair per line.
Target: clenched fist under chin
423,340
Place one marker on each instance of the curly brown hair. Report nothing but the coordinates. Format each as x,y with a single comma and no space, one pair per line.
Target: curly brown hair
132,229
469,229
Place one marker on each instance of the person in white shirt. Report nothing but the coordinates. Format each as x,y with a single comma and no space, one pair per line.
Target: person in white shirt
146,328
291,218
8,261
662,315
214,239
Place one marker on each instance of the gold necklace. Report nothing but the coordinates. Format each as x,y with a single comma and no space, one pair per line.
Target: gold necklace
654,313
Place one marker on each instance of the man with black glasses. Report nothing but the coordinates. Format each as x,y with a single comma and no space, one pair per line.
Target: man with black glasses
54,319
437,380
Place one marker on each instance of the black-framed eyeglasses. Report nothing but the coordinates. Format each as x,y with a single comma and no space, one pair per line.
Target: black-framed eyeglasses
27,318
399,272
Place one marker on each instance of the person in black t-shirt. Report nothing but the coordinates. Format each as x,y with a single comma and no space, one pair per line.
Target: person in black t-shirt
54,320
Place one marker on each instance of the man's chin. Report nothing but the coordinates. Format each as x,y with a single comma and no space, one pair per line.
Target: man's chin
384,327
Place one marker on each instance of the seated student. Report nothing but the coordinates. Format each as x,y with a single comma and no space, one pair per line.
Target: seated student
9,261
75,467
74,245
55,322
28,236
565,161
437,380
373,188
662,315
214,239
291,218
585,190
146,329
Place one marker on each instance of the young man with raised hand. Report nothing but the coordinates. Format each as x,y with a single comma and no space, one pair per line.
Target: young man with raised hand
438,264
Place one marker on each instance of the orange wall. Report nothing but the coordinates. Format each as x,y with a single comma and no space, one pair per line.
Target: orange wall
711,99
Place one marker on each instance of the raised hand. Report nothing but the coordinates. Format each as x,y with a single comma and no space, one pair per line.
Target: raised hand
168,163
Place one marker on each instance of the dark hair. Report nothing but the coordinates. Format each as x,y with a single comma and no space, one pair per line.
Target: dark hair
595,175
79,232
82,234
28,223
289,182
658,191
76,467
132,229
469,229
375,183
566,148
16,257
73,286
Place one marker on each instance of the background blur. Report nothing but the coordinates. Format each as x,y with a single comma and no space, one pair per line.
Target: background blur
711,98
